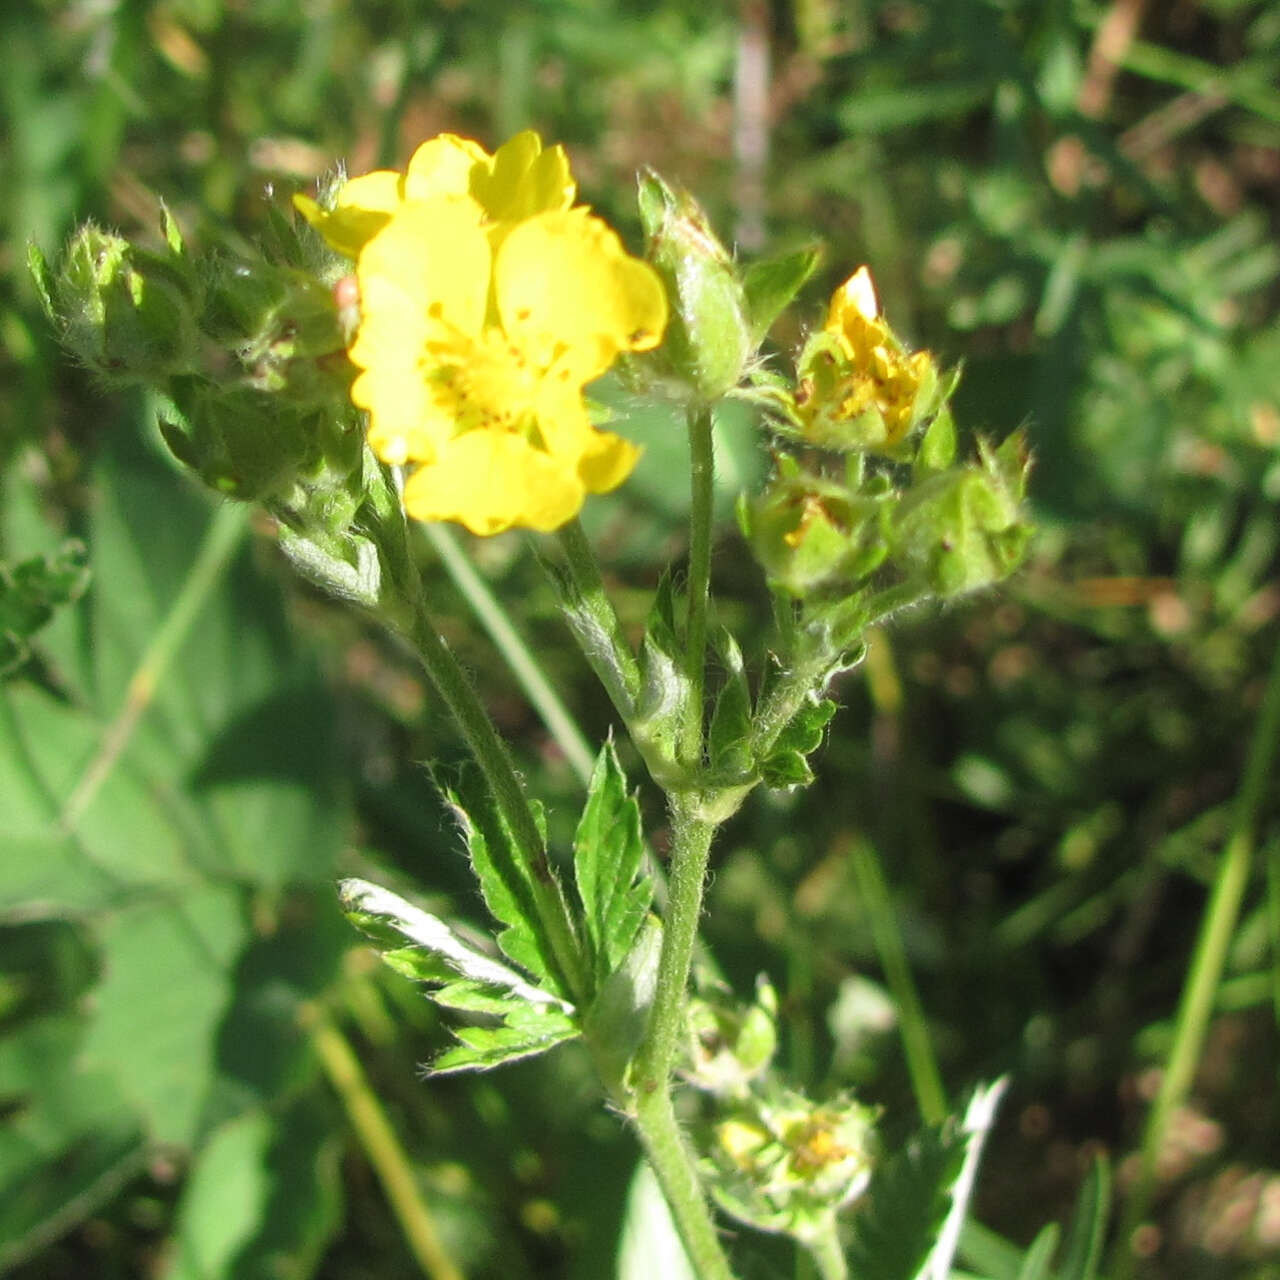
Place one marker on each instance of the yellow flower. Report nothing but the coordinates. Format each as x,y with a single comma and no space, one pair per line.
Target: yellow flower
519,180
857,387
487,304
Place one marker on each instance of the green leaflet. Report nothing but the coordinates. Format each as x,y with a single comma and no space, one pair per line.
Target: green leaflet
30,591
785,765
524,1032
919,1196
436,953
728,746
1083,1251
529,1020
608,853
771,284
504,880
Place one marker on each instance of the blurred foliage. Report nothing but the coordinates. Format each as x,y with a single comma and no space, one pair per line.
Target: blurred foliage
1046,774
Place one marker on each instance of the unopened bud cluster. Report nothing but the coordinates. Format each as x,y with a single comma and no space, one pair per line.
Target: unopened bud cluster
866,493
240,354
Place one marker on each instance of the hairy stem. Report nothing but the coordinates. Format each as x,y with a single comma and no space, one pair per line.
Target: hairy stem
523,663
654,1112
491,754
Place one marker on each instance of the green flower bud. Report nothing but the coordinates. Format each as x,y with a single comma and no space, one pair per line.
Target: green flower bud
126,313
811,533
709,340
783,1163
731,1046
251,444
271,316
963,529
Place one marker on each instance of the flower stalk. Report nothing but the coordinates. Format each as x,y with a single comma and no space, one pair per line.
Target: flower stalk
494,760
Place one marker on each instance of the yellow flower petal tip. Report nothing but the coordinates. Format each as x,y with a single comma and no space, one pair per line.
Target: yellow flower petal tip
858,294
487,304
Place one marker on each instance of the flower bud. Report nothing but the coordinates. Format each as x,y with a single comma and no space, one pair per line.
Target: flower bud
279,323
783,1163
811,533
248,443
126,313
963,529
709,336
857,388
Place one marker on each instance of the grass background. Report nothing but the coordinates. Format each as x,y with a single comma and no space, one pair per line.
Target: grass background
1080,202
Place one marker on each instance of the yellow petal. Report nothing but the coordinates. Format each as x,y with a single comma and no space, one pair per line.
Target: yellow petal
608,461
442,166
856,297
491,481
564,281
404,424
363,208
428,267
523,180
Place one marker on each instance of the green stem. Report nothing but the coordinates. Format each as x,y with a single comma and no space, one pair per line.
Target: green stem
495,763
605,647
1208,962
655,1117
827,1253
673,1165
389,1160
494,619
702,493
922,1066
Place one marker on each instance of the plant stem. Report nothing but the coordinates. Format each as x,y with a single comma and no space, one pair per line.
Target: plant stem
388,1158
1208,962
495,620
702,492
922,1066
655,1117
826,1252
495,763
786,696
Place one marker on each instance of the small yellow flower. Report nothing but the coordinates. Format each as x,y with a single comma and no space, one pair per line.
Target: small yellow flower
487,304
857,387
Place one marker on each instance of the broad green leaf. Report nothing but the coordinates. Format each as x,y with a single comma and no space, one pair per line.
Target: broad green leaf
70,1142
167,984
527,1031
230,704
303,1209
608,856
169,762
504,879
263,1198
1082,1254
620,1012
771,284
224,1199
